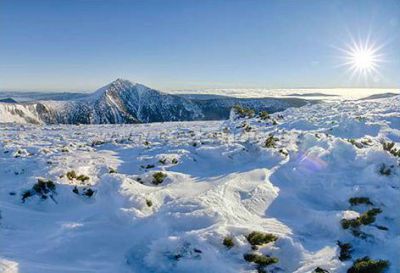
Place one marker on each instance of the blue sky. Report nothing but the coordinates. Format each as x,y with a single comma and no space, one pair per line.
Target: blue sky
73,45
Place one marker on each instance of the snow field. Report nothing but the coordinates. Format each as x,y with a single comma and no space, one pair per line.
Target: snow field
220,181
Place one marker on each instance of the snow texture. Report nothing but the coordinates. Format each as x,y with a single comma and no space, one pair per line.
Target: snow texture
221,180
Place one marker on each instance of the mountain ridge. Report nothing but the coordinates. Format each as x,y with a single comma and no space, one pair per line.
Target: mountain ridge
122,101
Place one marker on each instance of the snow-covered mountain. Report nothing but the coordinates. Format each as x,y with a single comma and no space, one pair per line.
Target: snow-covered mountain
125,102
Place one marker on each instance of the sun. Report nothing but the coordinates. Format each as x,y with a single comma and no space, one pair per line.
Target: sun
362,59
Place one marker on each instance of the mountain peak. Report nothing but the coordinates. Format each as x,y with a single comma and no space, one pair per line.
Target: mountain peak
121,81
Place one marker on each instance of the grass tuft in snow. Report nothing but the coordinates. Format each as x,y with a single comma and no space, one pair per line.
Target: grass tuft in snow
149,203
158,178
71,175
259,238
367,265
83,178
228,242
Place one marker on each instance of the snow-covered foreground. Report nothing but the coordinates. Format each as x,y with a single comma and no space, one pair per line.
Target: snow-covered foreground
221,181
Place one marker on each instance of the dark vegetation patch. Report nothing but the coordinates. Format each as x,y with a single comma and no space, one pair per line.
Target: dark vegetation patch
242,112
389,147
149,203
228,242
260,259
345,251
158,178
270,142
367,265
259,238
43,188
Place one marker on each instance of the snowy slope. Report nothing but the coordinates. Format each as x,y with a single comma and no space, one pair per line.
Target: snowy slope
220,181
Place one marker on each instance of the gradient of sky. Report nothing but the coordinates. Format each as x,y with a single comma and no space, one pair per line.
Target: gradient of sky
79,45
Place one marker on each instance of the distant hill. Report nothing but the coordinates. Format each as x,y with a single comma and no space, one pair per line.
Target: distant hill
8,100
380,96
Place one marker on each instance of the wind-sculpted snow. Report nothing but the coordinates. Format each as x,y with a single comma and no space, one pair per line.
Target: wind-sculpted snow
123,102
162,197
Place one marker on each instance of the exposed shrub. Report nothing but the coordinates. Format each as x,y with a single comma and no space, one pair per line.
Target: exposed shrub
71,175
355,143
369,216
158,178
174,161
259,238
350,223
43,188
228,242
163,161
264,115
247,128
366,265
345,251
270,142
149,203
242,112
260,259
389,147
354,201
83,178
112,170
366,218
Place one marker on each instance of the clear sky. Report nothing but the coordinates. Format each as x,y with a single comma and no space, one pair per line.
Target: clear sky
71,45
